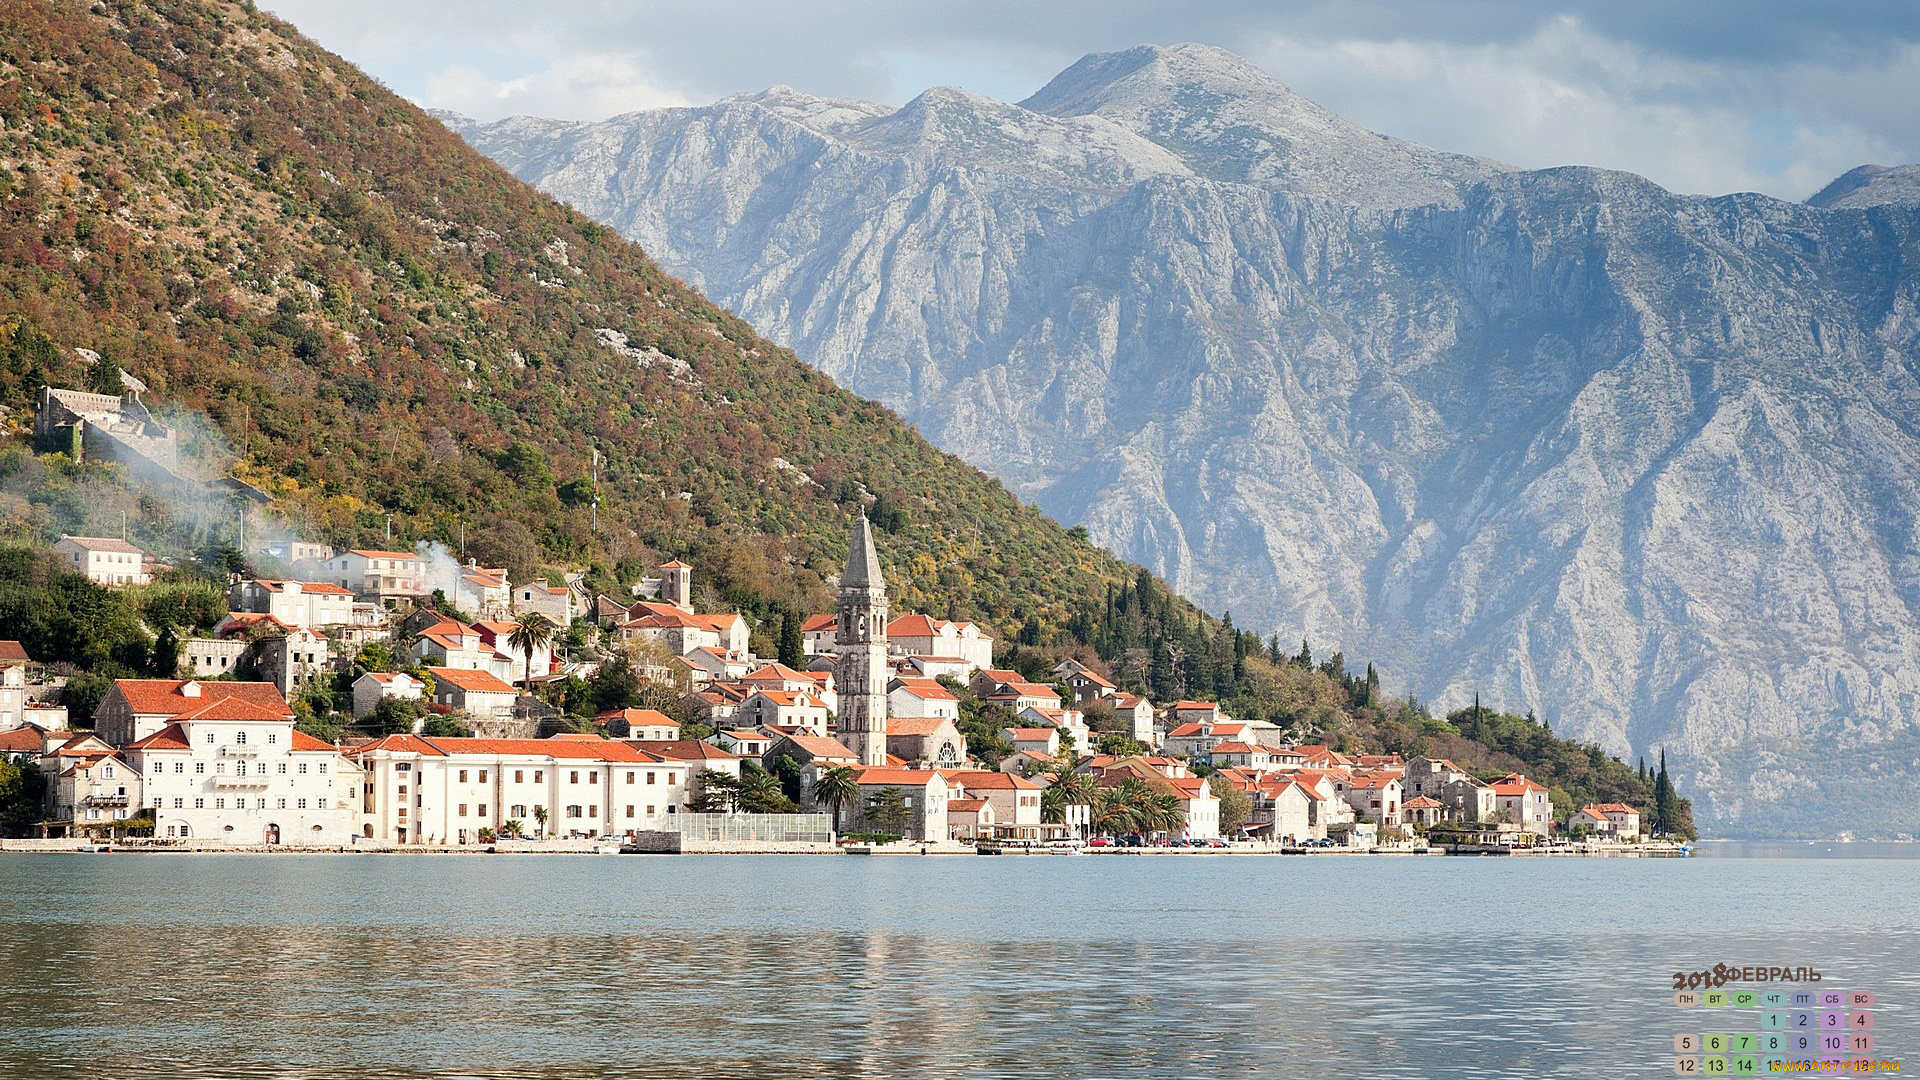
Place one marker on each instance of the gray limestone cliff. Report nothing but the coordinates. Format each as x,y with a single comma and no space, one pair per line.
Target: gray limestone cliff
1646,463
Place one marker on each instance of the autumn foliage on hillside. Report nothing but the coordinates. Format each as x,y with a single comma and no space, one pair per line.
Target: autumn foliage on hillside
340,302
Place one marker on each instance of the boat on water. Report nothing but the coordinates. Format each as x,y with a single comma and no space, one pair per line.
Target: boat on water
93,848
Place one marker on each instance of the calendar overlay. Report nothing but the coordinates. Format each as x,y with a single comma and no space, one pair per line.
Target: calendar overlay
1776,1031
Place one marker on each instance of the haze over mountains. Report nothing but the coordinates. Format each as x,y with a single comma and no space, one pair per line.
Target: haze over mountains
1643,462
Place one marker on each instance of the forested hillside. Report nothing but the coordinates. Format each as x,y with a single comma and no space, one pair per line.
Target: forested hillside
340,302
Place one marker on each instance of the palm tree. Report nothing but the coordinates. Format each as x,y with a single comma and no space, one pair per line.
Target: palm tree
836,789
540,818
530,632
513,829
1075,789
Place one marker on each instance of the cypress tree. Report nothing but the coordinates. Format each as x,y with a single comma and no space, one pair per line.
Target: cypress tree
793,648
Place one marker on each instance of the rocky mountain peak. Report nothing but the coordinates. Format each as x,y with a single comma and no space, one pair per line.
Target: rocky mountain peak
1871,185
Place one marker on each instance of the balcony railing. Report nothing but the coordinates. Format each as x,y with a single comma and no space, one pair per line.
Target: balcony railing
239,751
106,800
240,781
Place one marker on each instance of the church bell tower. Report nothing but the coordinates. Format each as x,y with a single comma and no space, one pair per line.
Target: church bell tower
862,638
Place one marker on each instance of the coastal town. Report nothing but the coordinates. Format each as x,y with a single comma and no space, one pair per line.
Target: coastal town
860,744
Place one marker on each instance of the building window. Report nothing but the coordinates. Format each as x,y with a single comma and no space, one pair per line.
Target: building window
649,778
573,777
481,811
323,768
573,811
519,810
483,776
272,738
199,804
239,738
519,776
630,778
629,811
261,804
539,776
283,768
303,804
179,766
108,772
463,776
221,767
593,811
593,777
280,805
303,768
463,809
209,738
179,804
219,804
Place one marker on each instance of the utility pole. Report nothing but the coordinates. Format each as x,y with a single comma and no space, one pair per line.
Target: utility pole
389,530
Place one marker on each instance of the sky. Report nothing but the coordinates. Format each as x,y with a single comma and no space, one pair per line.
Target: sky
1701,96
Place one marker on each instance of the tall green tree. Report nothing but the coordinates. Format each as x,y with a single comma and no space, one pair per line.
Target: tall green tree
793,647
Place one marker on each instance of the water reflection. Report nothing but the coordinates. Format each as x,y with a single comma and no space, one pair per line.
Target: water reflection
550,967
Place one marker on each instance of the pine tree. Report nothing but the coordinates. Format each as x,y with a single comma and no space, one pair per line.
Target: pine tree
1305,659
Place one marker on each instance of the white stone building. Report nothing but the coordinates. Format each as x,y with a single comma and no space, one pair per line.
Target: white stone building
312,604
235,771
422,790
105,560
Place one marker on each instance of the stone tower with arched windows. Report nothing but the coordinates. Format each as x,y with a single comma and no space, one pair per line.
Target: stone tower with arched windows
862,638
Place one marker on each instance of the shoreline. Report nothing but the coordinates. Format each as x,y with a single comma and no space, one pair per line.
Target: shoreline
552,848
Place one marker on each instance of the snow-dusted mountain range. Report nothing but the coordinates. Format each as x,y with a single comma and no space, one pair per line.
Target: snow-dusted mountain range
1646,463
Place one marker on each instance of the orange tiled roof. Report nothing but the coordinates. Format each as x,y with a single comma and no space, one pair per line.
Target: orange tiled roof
817,623
915,725
821,747
171,737
148,697
877,775
472,682
682,750
370,553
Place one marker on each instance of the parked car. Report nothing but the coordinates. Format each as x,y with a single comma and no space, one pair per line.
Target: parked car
1216,842
1101,841
1133,840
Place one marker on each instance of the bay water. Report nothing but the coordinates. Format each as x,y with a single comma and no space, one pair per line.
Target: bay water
771,966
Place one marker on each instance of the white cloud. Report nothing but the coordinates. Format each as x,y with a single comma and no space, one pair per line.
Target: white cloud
1565,95
584,85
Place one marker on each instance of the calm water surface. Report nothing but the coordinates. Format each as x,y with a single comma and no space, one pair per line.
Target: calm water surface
543,967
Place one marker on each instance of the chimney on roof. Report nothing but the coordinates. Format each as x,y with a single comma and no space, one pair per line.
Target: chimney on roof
189,689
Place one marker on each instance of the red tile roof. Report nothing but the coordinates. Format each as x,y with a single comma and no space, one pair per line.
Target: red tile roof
982,780
817,623
927,690
104,543
638,717
965,806
878,775
775,673
1032,734
915,725
171,737
822,747
471,681
12,652
20,740
149,697
682,750
370,553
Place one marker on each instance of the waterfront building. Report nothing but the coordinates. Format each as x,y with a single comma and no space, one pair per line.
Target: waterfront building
234,770
105,560
423,790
